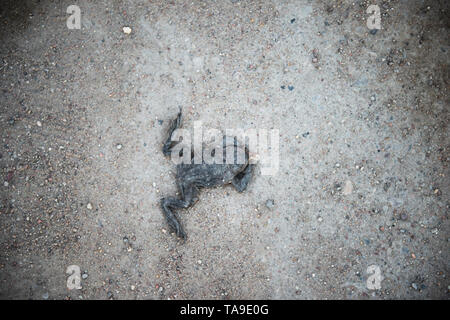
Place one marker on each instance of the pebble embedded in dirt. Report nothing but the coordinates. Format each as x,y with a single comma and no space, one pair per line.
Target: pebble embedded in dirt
270,203
348,188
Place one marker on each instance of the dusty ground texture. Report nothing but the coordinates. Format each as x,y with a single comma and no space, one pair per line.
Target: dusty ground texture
364,149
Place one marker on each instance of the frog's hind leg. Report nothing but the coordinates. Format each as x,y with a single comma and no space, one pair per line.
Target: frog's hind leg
190,197
172,220
169,144
240,181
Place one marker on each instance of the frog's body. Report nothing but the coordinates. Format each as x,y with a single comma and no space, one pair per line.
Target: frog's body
192,177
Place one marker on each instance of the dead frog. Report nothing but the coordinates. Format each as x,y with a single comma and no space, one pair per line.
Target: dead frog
190,178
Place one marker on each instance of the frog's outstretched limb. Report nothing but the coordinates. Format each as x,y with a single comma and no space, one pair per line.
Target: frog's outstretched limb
189,197
169,144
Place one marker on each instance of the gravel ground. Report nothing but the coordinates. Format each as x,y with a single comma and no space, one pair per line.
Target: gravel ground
364,149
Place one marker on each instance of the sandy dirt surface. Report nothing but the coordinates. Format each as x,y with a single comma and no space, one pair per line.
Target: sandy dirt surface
364,149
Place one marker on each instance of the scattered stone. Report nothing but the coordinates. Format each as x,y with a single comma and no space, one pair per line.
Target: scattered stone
6,183
89,206
348,188
292,20
84,275
305,134
126,30
373,31
291,88
404,216
270,203
45,296
119,146
415,286
315,58
283,87
160,122
39,124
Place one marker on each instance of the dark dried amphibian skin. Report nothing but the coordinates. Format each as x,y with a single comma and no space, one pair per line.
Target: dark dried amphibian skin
190,178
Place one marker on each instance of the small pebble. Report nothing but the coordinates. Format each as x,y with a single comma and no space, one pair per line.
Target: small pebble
126,30
45,296
348,188
270,203
89,206
373,31
119,146
39,124
84,275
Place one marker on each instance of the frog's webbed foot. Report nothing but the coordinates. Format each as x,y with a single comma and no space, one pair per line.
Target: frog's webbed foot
169,144
240,181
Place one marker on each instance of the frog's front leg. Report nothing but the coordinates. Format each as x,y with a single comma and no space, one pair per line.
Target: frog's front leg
169,144
241,180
